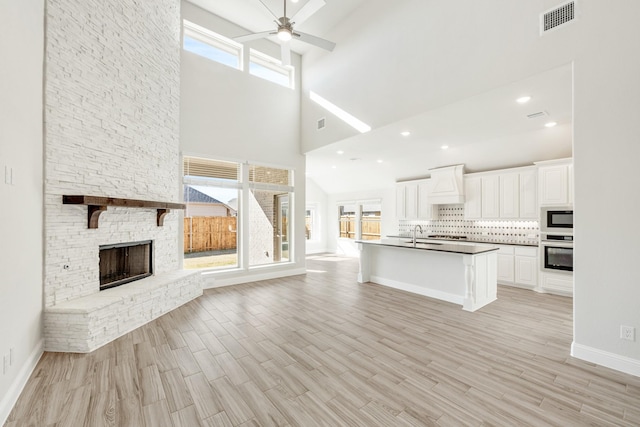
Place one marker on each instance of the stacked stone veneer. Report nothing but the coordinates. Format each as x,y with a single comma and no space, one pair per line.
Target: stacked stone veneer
111,129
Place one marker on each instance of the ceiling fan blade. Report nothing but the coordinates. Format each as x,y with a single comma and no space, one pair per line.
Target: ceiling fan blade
253,36
316,41
307,10
285,51
267,7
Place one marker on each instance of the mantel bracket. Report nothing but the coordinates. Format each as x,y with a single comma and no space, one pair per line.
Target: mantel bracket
97,205
94,212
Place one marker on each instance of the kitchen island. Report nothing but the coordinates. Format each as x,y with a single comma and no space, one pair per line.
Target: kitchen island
460,274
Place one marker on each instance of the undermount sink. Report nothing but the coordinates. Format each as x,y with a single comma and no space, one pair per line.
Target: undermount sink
421,243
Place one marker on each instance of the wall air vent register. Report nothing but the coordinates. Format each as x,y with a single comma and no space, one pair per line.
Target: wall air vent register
557,17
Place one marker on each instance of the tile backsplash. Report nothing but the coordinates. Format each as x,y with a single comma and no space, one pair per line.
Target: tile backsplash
451,222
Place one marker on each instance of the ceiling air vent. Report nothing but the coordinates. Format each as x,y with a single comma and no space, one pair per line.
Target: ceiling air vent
321,123
557,16
538,114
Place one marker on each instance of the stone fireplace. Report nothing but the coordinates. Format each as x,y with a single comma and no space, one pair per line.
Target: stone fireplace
112,104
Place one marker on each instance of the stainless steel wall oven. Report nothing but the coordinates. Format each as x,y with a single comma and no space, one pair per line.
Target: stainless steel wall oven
557,253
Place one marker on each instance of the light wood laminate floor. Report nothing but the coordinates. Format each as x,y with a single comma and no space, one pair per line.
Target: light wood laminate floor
323,350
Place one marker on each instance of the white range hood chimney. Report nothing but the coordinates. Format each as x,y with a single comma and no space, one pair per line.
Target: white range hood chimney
447,185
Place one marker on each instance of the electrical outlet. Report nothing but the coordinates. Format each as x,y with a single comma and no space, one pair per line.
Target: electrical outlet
627,333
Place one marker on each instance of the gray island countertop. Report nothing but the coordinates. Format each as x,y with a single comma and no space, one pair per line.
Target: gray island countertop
405,242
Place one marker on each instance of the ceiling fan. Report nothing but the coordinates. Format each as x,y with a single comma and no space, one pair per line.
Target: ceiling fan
286,33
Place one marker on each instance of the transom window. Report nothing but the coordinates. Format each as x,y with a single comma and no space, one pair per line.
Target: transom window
271,69
210,45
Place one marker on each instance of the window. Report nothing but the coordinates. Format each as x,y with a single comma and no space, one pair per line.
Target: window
310,226
269,215
223,199
370,221
210,45
347,220
360,220
211,194
271,69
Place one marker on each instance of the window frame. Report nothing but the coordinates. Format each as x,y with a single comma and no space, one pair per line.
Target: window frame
215,40
358,217
272,64
245,186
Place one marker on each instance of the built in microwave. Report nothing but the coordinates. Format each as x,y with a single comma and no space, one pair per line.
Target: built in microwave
556,219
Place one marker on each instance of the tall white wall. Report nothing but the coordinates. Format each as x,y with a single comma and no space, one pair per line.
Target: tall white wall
607,183
317,199
228,114
21,212
448,51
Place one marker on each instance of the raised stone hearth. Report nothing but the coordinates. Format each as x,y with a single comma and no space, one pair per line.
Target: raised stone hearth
84,324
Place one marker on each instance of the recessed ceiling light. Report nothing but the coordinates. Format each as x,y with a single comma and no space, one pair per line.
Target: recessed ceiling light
523,99
334,167
405,133
340,152
550,124
379,160
444,147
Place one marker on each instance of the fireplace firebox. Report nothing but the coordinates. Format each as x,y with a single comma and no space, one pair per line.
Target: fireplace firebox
125,262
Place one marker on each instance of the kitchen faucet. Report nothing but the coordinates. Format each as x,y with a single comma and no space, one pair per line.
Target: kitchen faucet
415,227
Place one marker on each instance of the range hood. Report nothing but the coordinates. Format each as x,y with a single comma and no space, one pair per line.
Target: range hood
447,185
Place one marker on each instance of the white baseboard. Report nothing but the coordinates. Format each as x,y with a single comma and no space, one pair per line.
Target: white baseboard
10,399
212,281
604,358
444,296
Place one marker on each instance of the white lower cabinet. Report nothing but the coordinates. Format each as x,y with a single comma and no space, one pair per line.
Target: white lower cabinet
518,266
526,266
557,283
505,264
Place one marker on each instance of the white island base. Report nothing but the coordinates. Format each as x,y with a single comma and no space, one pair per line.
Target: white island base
469,280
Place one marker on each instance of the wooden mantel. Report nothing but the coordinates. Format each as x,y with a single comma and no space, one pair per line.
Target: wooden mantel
97,205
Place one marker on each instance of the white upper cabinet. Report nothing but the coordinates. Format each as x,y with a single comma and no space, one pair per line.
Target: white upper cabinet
400,197
412,200
473,198
528,195
426,210
490,196
504,194
555,182
509,195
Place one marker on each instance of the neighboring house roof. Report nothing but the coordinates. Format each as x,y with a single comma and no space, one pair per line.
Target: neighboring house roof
191,195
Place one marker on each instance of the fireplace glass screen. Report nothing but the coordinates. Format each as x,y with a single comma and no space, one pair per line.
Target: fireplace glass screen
124,262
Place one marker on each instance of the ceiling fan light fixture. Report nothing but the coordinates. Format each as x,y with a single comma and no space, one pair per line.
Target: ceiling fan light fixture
284,34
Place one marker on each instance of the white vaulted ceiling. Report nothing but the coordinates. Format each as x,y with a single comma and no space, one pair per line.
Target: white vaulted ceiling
484,132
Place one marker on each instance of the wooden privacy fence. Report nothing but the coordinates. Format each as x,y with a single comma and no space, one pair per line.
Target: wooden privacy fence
370,227
205,233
